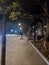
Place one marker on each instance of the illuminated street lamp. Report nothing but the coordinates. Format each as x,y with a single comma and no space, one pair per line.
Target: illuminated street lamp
45,26
21,28
33,26
19,24
11,30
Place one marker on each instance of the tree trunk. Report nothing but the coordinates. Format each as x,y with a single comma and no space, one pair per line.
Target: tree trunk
45,8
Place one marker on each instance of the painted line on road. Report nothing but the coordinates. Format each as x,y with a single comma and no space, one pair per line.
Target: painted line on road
39,53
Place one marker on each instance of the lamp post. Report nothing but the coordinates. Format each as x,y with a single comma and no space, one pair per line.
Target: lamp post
4,34
3,44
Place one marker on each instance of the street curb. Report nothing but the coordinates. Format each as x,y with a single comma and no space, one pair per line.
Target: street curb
39,53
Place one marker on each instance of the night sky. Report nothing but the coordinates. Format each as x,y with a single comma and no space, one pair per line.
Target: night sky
30,7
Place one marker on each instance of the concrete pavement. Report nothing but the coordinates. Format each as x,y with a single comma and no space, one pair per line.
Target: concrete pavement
20,52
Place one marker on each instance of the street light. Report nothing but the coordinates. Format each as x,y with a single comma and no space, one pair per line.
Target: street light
19,24
21,28
45,26
11,30
33,26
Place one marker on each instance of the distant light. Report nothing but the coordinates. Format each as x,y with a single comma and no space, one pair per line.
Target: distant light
19,24
36,31
33,26
20,28
45,26
11,30
39,32
15,31
30,15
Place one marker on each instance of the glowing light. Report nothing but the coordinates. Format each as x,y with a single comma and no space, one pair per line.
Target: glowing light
15,31
11,30
36,31
33,26
45,26
19,24
20,28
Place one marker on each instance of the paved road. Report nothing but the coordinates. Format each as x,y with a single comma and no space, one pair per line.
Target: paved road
20,52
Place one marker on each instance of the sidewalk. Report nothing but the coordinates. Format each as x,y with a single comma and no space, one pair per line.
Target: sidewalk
20,52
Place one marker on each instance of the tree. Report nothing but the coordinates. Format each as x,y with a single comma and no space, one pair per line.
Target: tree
14,10
45,9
